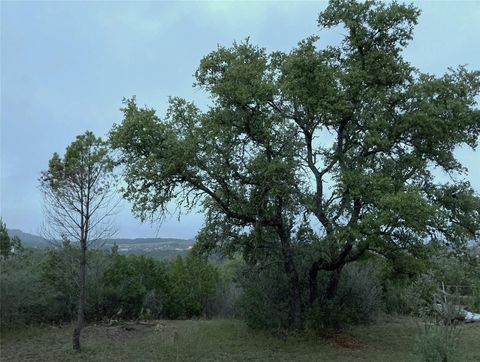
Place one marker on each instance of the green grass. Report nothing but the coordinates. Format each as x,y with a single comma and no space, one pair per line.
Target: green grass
390,339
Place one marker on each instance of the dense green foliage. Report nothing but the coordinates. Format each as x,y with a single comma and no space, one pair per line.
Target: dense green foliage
8,245
42,286
410,293
264,301
312,159
25,297
129,280
358,300
79,192
193,281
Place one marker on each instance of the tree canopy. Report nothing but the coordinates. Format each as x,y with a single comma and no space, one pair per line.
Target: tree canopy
8,245
79,192
318,154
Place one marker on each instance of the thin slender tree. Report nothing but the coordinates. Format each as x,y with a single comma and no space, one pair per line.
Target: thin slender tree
79,200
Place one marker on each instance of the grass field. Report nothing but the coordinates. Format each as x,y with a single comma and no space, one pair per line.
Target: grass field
390,339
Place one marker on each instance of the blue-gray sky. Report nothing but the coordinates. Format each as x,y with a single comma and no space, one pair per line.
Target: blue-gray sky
65,67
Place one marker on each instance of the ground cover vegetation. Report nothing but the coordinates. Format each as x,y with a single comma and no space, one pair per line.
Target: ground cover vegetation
391,339
39,287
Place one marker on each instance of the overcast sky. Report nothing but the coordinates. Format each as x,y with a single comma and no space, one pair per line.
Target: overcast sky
65,67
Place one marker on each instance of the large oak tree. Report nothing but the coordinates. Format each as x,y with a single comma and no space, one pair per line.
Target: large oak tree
323,153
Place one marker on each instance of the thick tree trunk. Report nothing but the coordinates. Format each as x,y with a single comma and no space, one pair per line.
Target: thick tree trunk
332,285
335,266
296,319
81,303
313,283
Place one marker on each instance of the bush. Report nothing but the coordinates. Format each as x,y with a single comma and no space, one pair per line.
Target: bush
441,334
193,282
226,301
152,305
129,280
265,301
457,271
475,299
361,292
410,298
325,315
42,286
60,271
460,275
24,298
396,298
437,344
358,300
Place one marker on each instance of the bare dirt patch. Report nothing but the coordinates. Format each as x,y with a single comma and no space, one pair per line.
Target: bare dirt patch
120,332
348,342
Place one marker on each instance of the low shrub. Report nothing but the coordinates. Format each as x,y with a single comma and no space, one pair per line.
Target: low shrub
440,336
192,283
437,344
129,280
152,306
325,315
225,303
24,298
42,286
358,300
265,301
403,297
361,292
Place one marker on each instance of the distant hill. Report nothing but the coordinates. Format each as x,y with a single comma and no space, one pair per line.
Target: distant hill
30,240
150,244
160,248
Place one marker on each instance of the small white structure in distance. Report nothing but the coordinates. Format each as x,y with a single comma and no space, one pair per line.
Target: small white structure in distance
471,317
